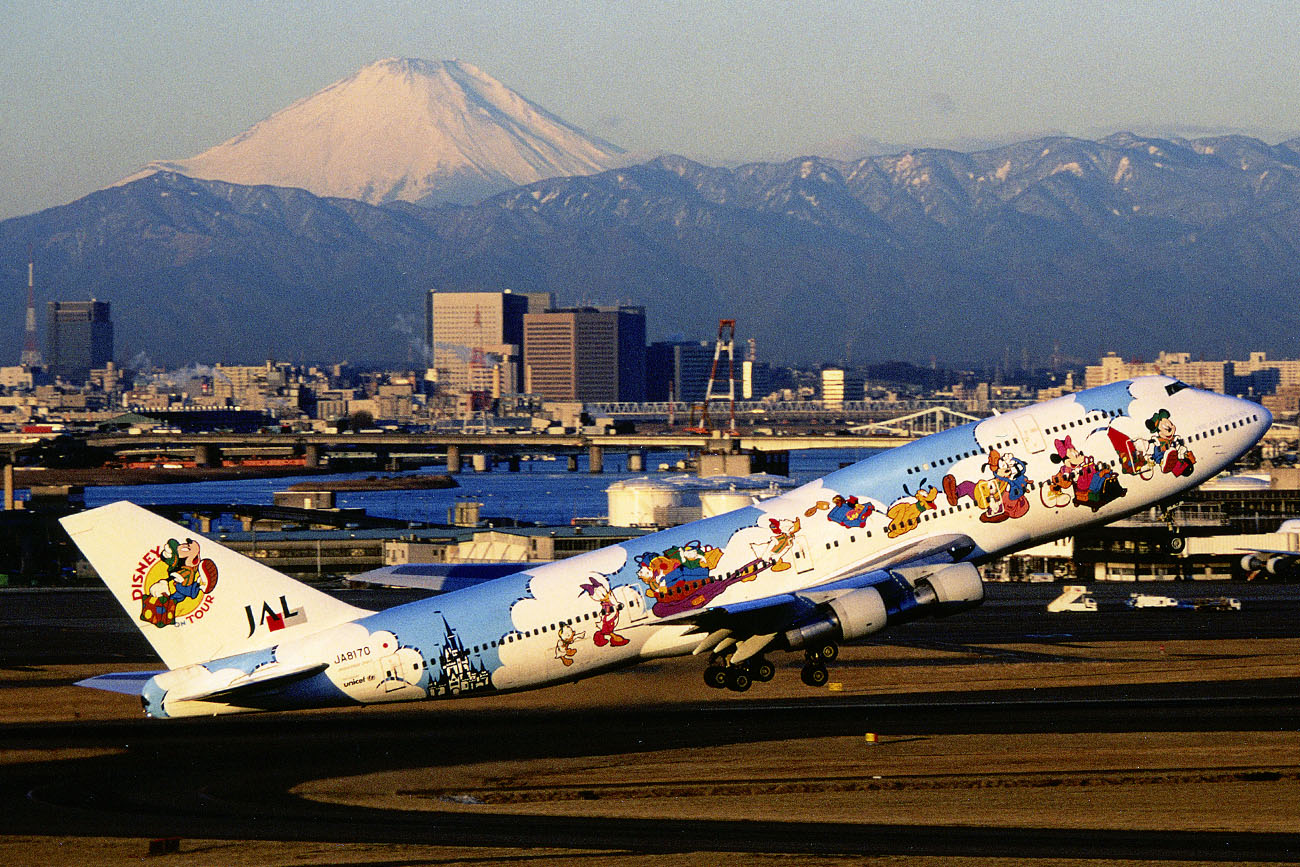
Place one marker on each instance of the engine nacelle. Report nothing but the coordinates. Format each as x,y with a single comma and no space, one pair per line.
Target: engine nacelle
1280,566
914,592
851,616
946,590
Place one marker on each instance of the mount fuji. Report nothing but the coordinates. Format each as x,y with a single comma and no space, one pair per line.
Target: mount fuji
404,130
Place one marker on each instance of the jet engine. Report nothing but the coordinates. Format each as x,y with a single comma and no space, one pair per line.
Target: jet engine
907,594
948,590
1281,566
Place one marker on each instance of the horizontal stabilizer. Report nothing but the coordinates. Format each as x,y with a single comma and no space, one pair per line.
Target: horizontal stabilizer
125,682
439,577
266,676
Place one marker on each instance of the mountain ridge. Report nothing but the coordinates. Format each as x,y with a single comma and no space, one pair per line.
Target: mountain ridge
1130,243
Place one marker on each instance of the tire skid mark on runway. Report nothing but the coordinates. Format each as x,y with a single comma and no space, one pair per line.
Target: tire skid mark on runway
554,792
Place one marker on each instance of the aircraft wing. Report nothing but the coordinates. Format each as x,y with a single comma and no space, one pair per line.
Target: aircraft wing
903,578
939,549
439,577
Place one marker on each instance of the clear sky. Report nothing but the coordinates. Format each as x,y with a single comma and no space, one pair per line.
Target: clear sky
94,90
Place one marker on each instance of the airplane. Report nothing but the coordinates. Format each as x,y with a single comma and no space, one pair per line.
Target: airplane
1274,563
891,538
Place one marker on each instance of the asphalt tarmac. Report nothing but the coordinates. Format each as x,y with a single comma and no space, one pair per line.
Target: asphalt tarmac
50,626
1124,736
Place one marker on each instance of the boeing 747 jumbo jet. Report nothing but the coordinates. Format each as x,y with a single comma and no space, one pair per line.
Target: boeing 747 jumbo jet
891,538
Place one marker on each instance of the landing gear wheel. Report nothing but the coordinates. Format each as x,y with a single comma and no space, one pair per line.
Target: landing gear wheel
824,651
814,674
715,676
762,670
1176,544
738,680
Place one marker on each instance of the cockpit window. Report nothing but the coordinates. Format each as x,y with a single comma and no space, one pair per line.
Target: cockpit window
1176,386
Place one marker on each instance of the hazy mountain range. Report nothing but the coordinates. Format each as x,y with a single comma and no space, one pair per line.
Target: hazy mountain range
1130,243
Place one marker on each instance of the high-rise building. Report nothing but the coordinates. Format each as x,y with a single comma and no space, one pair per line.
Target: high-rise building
31,356
755,379
79,337
839,385
476,338
680,370
587,354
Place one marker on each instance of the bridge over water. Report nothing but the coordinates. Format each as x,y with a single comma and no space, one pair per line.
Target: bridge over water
208,449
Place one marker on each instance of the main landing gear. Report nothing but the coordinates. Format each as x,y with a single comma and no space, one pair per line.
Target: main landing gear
721,673
814,672
739,677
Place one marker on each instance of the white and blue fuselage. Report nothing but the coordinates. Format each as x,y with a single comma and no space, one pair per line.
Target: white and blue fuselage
884,540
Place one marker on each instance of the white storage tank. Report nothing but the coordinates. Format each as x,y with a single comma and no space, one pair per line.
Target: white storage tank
666,501
722,494
632,502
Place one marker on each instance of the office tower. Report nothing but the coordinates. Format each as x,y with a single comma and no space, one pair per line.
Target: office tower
79,337
679,370
839,385
590,354
476,339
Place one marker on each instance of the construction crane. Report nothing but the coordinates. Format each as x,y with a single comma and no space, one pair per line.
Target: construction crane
726,342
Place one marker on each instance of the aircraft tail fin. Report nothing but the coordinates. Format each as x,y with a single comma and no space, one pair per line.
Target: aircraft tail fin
195,599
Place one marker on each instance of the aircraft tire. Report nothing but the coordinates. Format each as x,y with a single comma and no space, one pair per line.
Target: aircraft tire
1176,544
715,676
814,674
738,680
823,651
762,670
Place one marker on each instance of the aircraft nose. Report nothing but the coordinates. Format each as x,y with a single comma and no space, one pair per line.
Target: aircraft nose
1258,419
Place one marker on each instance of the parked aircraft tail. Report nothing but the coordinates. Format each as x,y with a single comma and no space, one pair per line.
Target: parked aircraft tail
194,599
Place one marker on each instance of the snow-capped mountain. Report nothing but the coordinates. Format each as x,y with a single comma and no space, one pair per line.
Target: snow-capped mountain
1129,243
404,130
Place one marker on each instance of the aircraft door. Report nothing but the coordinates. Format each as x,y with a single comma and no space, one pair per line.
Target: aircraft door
390,669
1030,434
804,562
633,602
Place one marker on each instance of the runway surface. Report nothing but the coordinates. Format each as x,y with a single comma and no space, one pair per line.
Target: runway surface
86,625
259,777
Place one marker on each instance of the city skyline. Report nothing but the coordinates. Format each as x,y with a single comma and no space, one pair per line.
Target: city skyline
98,90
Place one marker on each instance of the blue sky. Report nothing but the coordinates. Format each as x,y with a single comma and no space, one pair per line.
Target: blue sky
94,90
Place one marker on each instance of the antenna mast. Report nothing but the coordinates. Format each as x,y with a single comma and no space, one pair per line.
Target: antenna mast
726,343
